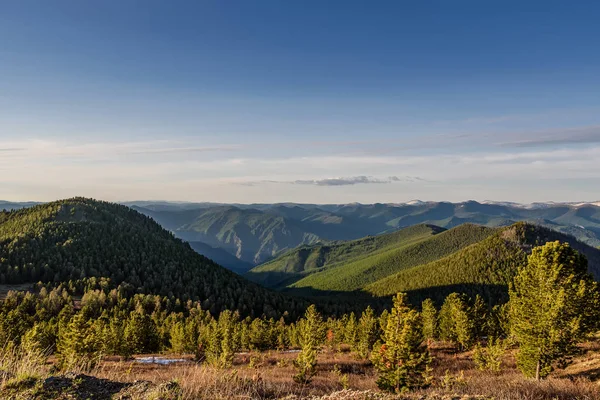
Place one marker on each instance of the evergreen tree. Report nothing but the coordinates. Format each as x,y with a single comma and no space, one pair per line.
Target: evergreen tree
114,338
179,342
223,340
489,358
79,345
41,338
402,360
351,331
553,306
479,314
368,333
140,333
497,322
430,320
259,335
311,334
281,335
456,322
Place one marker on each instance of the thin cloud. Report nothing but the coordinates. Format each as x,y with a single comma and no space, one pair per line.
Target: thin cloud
582,135
176,150
345,181
356,180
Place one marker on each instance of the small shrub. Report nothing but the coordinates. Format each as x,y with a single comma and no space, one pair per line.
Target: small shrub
255,361
342,378
452,382
282,363
489,358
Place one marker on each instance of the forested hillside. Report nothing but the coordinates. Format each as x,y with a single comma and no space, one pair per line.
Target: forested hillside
418,250
305,260
483,268
73,240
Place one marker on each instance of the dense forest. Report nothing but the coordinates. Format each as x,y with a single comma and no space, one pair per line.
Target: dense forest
72,240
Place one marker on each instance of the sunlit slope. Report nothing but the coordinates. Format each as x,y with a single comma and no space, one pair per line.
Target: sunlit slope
357,274
485,267
305,260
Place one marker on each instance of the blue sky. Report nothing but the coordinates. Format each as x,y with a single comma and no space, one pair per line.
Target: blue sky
305,101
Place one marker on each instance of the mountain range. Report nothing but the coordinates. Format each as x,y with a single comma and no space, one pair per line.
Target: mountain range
256,234
243,236
83,243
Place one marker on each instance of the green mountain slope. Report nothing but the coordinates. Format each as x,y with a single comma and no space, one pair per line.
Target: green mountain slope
357,274
485,267
299,262
73,240
404,249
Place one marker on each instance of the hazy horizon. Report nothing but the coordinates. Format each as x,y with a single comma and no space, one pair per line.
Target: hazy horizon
155,201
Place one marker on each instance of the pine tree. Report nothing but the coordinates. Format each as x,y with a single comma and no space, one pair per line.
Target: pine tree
79,345
311,334
402,360
489,358
368,333
259,335
430,320
351,331
497,321
223,340
140,333
456,322
281,335
41,338
479,314
553,306
114,343
179,343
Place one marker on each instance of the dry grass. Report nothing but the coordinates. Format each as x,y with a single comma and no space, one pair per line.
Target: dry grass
269,376
456,377
21,367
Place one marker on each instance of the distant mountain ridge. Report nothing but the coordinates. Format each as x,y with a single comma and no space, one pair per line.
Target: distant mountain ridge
257,233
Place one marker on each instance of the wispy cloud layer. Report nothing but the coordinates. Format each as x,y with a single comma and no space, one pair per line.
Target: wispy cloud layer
581,135
353,180
356,180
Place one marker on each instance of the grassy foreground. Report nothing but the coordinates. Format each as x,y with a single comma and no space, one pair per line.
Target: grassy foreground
269,376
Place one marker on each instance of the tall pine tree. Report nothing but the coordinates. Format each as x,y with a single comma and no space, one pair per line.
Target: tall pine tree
311,335
402,360
553,306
